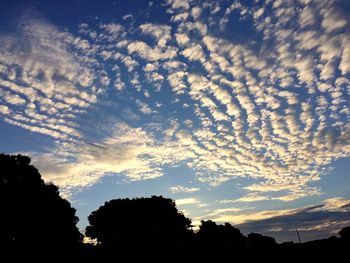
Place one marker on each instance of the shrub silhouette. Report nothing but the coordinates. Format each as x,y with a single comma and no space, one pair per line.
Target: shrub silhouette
139,222
32,212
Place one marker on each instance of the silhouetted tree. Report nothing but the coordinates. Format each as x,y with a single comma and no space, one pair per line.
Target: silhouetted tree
224,236
139,222
258,241
345,234
32,214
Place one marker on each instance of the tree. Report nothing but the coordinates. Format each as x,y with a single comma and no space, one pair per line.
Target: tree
224,236
32,212
345,234
139,222
258,241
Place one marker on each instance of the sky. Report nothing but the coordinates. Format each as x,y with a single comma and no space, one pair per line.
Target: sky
238,110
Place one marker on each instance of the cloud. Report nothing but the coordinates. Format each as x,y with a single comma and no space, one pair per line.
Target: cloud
196,12
220,213
13,99
336,203
254,216
345,58
314,222
160,32
186,201
307,17
194,53
150,67
251,197
183,189
44,77
179,4
176,81
182,39
151,54
332,21
128,61
268,106
143,107
4,110
112,28
304,66
130,152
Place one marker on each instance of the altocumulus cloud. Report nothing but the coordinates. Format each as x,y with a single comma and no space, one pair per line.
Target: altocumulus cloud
271,106
183,189
47,79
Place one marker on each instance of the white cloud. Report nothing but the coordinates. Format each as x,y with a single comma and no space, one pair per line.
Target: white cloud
160,32
332,21
182,39
176,4
305,66
336,203
180,17
49,76
149,53
225,212
183,189
243,218
251,197
176,81
143,107
128,151
12,98
4,110
345,57
307,16
150,67
196,12
328,71
276,114
199,27
195,52
258,13
186,201
128,16
112,28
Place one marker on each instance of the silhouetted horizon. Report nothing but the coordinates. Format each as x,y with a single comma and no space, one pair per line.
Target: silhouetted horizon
35,218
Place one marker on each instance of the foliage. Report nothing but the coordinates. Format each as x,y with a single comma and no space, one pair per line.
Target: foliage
32,212
142,221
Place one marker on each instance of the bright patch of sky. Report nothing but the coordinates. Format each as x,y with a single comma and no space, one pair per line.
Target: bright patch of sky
237,109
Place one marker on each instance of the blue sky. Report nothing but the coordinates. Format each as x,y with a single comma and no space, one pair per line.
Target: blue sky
238,110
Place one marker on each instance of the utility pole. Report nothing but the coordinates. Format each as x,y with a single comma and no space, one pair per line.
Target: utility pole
296,228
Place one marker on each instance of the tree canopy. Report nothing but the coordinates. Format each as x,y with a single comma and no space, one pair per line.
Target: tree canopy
345,233
225,236
139,221
259,241
32,211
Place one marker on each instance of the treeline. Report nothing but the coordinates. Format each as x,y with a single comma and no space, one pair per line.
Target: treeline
36,222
